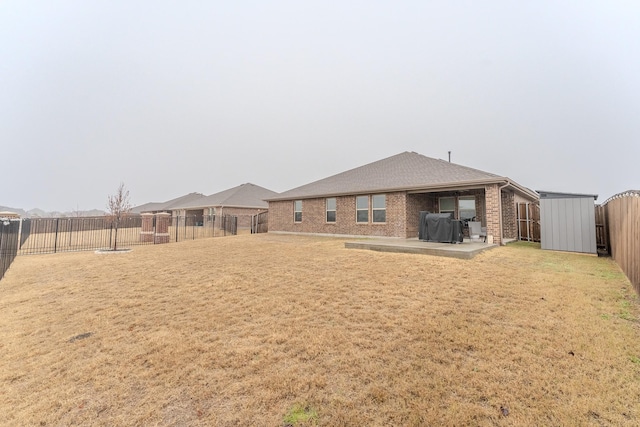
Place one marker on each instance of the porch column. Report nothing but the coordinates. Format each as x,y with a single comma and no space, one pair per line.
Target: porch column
162,227
146,232
492,212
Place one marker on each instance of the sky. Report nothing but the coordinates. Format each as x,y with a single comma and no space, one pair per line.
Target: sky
200,96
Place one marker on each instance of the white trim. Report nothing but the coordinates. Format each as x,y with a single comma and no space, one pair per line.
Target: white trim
368,196
295,221
327,210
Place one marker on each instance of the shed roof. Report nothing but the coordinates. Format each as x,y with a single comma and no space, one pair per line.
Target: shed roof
404,171
243,196
556,195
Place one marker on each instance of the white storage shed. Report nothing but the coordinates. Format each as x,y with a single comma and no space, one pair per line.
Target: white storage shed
567,222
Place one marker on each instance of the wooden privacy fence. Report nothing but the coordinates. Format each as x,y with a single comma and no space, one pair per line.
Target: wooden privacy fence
602,230
528,222
622,213
260,223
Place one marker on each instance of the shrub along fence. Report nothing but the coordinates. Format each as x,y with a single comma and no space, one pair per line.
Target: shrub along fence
51,235
622,213
9,231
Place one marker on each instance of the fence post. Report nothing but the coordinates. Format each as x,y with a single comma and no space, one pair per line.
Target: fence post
605,220
528,208
162,227
146,228
55,242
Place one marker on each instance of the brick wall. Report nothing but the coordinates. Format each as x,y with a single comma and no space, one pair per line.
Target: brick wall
314,217
415,204
402,214
492,214
509,224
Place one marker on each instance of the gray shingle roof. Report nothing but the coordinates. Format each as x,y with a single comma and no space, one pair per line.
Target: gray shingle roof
408,170
243,196
168,205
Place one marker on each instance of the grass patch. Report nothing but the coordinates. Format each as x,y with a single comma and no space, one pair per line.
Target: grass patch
301,415
625,308
520,244
232,331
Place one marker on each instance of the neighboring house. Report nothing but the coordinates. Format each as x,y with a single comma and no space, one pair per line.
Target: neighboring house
384,198
9,215
156,207
242,201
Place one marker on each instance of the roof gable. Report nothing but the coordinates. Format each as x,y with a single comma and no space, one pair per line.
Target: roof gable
408,170
245,195
168,205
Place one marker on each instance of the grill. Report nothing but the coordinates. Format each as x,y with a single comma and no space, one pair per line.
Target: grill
440,228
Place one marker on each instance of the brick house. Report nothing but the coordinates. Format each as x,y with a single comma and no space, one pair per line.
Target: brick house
384,199
242,201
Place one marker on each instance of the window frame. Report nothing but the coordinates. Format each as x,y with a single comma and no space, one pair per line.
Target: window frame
453,211
334,210
358,210
374,209
296,211
475,211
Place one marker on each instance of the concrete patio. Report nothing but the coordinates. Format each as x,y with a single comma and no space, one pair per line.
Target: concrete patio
464,250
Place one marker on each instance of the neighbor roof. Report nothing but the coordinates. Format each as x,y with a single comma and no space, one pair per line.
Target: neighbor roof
243,196
168,205
404,171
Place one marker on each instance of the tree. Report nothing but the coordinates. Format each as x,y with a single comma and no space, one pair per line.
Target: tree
118,208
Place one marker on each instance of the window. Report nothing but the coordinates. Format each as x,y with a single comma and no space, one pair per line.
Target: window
297,211
447,205
362,209
379,208
331,209
467,208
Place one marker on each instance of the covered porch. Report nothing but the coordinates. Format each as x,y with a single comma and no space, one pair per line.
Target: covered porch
491,205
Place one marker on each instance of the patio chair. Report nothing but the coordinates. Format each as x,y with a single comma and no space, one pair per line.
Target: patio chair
476,229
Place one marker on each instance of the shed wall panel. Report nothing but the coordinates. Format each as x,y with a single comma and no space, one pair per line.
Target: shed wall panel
568,224
546,226
577,224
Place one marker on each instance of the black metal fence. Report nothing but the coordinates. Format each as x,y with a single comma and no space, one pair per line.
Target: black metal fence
9,231
51,235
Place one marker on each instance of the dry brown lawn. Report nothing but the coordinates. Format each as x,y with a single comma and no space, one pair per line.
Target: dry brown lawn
268,330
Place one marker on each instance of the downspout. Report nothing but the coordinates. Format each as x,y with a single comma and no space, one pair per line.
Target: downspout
500,211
